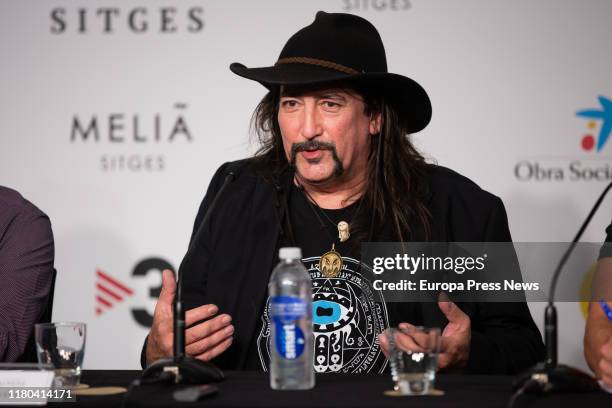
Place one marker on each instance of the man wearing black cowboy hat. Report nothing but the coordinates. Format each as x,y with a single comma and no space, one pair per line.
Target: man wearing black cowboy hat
335,169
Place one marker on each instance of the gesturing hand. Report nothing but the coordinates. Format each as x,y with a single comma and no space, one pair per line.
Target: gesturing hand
456,336
203,341
454,343
605,364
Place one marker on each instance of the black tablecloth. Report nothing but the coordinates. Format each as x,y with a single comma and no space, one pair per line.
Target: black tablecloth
250,389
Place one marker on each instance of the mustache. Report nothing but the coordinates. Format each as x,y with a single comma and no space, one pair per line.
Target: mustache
311,145
317,145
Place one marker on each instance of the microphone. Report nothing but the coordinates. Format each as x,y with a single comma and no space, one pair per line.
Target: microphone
550,376
188,370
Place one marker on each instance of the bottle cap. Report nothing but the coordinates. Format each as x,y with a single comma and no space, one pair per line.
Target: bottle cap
288,253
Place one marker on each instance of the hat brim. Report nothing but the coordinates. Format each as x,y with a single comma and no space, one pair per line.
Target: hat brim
408,97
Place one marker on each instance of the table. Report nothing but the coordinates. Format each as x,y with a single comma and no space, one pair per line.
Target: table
251,389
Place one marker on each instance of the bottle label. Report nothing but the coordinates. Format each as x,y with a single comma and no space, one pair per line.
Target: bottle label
286,311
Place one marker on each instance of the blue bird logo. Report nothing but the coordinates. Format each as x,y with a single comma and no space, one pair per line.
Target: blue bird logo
605,114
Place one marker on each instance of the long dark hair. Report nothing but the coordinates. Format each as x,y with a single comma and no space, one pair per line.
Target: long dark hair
395,188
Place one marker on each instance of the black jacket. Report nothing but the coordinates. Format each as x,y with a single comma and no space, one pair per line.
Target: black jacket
239,244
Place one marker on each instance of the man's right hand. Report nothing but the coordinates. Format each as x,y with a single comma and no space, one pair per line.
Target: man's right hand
204,341
605,364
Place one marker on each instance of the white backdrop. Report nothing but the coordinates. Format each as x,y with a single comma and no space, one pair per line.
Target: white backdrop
506,79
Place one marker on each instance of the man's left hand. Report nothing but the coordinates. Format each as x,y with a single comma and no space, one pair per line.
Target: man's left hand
456,336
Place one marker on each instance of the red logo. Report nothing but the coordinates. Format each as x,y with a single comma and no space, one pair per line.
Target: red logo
109,291
605,115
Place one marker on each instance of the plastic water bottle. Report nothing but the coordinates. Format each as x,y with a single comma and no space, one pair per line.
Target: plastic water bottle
291,341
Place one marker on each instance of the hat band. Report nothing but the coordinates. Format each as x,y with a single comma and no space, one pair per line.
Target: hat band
318,62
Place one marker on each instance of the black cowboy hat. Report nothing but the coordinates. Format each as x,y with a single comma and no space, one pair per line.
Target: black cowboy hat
343,47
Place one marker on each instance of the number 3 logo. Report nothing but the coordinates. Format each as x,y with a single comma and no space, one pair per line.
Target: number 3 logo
143,268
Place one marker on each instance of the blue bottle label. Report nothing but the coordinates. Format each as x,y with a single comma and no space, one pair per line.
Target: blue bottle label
286,311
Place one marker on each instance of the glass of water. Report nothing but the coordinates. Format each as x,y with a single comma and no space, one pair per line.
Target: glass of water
413,356
62,344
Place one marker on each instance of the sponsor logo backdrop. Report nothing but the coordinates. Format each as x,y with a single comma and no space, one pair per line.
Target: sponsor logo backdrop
115,115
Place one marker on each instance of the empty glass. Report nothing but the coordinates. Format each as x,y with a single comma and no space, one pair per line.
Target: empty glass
62,345
413,356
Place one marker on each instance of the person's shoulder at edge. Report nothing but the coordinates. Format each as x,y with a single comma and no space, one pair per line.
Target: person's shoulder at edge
10,197
13,200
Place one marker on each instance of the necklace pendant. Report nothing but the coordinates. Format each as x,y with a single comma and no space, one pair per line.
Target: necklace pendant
343,231
330,263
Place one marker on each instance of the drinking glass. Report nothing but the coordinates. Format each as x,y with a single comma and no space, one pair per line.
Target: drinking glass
62,345
413,356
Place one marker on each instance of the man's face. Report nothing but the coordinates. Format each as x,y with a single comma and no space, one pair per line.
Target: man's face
326,133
